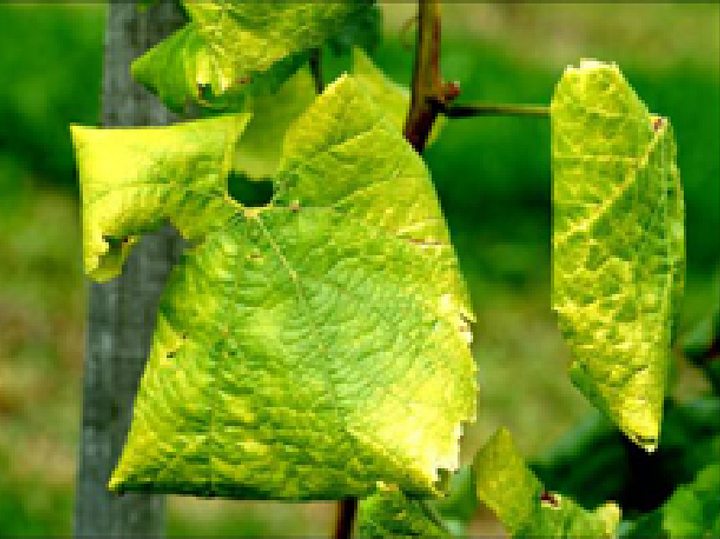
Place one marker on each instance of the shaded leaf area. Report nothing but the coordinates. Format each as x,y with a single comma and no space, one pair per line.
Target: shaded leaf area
315,346
594,462
506,485
233,48
134,179
618,244
363,30
186,73
692,511
260,149
392,514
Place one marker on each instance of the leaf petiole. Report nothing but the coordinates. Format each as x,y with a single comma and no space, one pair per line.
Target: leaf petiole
481,109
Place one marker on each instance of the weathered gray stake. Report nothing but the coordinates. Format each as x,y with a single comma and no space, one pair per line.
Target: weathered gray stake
121,313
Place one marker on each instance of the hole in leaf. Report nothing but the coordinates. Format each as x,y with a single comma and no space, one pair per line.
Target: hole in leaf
250,193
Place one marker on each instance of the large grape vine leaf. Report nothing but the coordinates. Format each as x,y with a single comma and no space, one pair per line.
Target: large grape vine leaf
517,497
231,46
618,244
316,346
133,179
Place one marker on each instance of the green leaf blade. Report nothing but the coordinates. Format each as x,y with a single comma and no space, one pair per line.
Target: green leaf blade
327,353
253,38
618,244
232,51
365,163
134,179
260,149
183,70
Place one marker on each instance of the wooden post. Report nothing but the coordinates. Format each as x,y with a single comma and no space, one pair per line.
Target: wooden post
121,313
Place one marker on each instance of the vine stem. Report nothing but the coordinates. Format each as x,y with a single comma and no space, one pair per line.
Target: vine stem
345,518
428,88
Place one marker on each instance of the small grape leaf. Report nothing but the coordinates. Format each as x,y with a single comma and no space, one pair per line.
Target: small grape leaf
692,511
133,179
253,37
230,50
618,244
313,347
180,68
389,513
185,71
508,487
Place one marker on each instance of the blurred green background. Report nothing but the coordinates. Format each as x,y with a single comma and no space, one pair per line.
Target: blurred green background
493,177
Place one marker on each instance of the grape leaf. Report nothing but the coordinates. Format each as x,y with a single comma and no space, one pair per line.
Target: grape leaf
516,496
692,511
618,244
231,49
253,36
389,513
185,70
181,68
315,346
131,180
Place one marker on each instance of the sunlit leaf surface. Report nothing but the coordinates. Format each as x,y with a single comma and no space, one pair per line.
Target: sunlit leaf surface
133,179
618,244
315,346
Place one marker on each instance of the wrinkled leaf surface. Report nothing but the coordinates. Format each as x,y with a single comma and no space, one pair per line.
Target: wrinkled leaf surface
233,49
313,347
618,244
133,179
